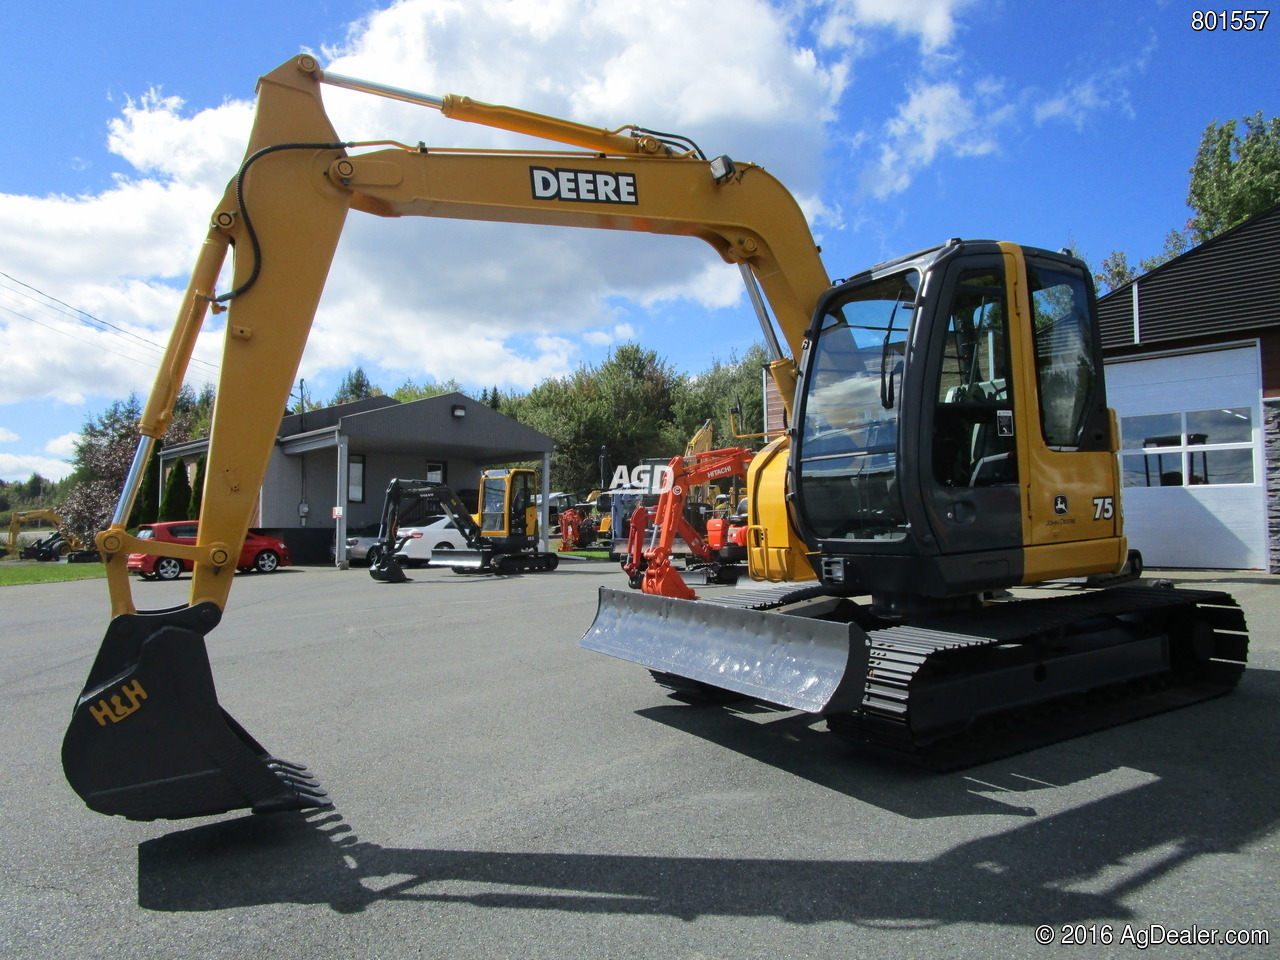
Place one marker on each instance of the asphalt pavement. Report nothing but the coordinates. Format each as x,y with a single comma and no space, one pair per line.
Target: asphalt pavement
500,792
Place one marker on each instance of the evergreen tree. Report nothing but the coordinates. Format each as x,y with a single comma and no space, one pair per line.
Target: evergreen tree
197,489
146,506
355,386
177,494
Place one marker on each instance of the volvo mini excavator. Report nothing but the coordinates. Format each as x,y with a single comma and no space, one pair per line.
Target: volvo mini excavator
501,538
950,440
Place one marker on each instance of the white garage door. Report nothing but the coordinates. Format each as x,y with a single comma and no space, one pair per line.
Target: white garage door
1191,460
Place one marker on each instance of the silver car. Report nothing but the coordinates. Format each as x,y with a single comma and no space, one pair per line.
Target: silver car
360,540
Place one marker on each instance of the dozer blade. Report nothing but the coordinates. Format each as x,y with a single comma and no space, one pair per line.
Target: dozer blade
803,664
148,739
460,560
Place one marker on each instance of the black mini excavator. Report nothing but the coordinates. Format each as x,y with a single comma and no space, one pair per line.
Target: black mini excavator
501,538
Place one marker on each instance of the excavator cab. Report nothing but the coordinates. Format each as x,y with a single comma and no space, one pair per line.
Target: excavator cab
954,432
508,507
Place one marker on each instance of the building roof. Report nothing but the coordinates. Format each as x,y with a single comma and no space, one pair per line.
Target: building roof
448,425
1226,286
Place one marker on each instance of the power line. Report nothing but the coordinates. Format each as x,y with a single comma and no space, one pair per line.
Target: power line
65,312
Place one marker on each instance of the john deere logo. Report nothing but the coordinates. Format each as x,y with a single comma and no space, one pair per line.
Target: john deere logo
582,186
1060,504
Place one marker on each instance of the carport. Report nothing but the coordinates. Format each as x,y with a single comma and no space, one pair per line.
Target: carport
330,467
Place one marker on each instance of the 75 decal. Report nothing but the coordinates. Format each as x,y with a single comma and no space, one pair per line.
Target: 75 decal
1104,508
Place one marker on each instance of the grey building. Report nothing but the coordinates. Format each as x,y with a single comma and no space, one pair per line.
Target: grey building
330,467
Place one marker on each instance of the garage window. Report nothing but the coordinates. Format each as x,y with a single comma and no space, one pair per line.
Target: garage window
1194,448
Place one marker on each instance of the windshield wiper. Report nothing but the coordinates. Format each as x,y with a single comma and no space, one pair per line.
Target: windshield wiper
886,375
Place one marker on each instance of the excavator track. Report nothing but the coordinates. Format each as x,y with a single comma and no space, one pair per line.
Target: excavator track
971,688
947,692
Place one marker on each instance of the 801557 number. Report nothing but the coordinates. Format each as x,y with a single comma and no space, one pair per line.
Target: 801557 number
1229,19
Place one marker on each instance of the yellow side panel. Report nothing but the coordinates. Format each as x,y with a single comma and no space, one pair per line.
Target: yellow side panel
774,551
1071,522
1079,559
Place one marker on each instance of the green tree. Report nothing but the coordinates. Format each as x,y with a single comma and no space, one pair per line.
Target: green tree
1176,243
197,489
196,410
634,403
1115,272
726,387
411,390
34,487
1234,177
146,506
355,386
177,494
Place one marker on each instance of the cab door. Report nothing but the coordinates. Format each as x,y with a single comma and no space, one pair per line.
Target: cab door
971,431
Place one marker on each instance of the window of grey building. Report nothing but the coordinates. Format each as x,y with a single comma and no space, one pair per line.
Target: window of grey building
355,478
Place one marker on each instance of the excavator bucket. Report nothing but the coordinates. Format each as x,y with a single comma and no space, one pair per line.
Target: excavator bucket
386,569
148,739
796,662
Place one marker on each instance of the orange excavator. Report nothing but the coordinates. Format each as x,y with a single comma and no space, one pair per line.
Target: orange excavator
648,563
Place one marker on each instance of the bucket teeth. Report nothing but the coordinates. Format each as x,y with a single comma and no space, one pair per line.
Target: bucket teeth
297,777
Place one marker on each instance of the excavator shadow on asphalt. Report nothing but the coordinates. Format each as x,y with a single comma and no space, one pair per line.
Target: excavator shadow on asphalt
1099,819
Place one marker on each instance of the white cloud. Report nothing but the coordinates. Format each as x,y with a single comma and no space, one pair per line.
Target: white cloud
63,446
932,22
1081,99
619,333
936,118
20,467
7,436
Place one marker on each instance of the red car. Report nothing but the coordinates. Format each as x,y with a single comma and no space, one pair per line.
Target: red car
260,552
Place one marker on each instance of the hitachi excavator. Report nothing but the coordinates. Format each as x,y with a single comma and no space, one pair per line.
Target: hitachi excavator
950,441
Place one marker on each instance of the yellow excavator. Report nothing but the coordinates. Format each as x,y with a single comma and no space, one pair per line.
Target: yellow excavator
950,440
62,543
502,536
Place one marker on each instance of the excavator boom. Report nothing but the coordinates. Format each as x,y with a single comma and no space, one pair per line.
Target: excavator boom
282,214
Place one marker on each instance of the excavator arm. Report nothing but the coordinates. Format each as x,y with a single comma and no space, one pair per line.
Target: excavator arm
282,215
284,212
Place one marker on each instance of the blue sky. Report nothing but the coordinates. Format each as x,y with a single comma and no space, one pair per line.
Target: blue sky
897,123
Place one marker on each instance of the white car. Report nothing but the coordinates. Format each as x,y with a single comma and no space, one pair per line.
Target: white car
438,533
